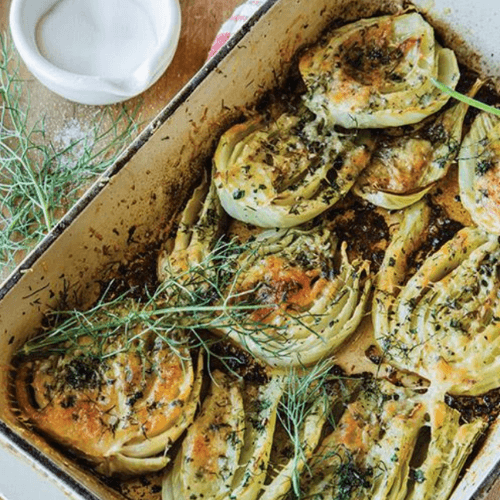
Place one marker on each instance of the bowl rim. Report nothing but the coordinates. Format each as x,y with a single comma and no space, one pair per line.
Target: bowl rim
56,77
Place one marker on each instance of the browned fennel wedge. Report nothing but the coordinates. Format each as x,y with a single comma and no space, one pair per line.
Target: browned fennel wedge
119,402
287,171
374,452
479,169
226,451
185,253
406,165
377,73
303,412
451,443
443,322
304,296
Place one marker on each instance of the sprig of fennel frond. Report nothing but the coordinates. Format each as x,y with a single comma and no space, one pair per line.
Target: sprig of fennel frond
184,306
37,183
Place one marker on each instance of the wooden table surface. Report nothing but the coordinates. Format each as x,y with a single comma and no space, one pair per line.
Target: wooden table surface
201,21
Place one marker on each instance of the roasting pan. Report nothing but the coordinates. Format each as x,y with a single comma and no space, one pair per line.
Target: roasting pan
127,210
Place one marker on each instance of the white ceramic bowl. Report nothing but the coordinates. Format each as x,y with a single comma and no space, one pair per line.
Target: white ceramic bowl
94,87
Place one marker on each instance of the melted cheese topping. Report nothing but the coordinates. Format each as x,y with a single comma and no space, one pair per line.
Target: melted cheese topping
276,282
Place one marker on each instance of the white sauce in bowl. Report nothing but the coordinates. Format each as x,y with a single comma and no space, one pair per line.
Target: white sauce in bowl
107,38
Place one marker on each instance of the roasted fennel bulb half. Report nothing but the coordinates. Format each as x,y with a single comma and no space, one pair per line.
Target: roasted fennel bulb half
377,73
304,297
442,323
284,172
226,450
408,161
371,452
184,263
479,167
118,399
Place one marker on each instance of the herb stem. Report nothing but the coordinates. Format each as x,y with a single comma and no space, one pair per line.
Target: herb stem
465,99
222,308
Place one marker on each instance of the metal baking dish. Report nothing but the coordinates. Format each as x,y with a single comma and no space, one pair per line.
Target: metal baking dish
129,207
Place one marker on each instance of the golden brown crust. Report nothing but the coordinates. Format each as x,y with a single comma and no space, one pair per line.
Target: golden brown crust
97,407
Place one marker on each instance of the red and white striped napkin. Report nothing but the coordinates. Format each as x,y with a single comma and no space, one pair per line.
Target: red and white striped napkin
239,17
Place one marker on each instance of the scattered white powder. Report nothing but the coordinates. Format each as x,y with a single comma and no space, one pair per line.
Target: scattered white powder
71,132
73,141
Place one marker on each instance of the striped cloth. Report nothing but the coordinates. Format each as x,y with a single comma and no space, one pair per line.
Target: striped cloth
234,23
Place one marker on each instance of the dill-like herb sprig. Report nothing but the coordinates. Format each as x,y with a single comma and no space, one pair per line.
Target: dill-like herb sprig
306,395
119,316
39,181
186,306
189,302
